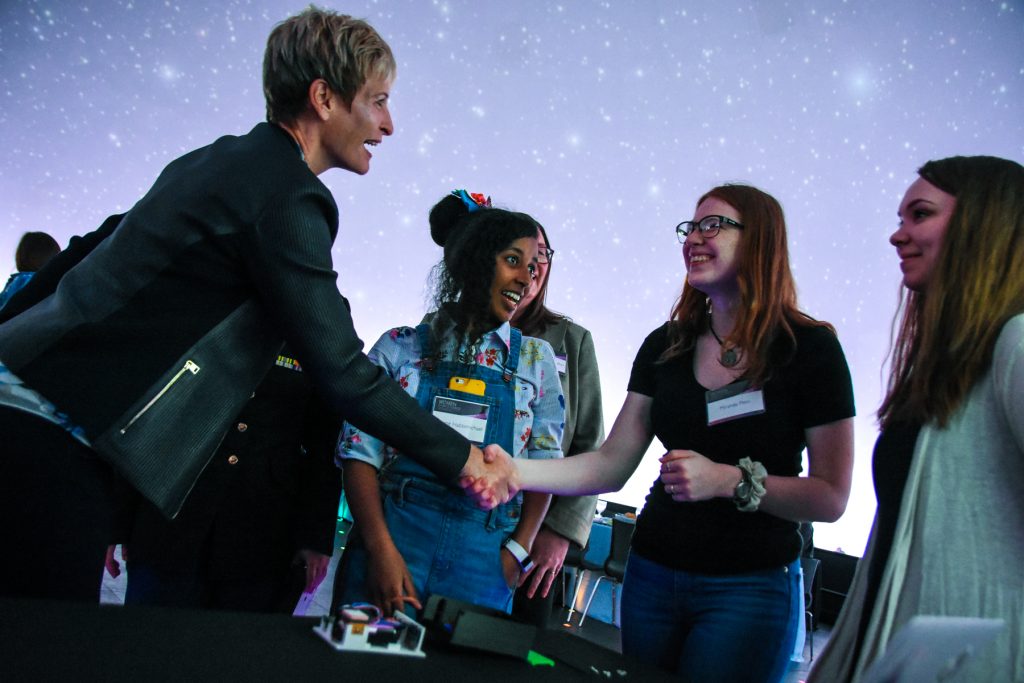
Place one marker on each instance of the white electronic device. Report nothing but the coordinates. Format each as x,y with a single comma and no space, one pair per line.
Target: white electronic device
359,628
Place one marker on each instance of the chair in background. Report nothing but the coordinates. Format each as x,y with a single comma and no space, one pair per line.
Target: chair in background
615,565
809,566
576,558
611,509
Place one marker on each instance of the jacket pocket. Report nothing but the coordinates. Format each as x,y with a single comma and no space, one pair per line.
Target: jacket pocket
188,367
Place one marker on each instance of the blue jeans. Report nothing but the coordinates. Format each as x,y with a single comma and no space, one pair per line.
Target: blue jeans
732,628
451,547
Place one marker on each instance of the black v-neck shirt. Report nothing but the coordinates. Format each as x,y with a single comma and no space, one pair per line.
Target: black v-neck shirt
810,386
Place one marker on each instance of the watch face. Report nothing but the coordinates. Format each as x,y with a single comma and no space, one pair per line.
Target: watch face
742,491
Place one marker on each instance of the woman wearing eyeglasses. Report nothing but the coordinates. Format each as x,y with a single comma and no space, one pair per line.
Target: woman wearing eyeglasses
734,386
569,518
418,536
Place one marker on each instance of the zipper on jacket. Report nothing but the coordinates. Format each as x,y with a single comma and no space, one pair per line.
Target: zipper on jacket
189,366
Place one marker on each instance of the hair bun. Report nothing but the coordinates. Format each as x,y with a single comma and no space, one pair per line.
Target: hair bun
445,215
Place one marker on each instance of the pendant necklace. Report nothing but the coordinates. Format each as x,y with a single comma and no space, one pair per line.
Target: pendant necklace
728,357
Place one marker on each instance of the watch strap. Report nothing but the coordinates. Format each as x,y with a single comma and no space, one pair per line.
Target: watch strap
520,553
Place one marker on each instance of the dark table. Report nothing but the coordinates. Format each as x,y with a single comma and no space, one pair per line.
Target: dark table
43,641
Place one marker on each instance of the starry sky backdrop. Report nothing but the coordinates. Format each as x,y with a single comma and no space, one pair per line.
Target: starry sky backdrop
604,120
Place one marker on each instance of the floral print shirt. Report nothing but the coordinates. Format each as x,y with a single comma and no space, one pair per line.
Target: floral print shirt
539,404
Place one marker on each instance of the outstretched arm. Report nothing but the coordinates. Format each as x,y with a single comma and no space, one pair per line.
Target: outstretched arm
606,469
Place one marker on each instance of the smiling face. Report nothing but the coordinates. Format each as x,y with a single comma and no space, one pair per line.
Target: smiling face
514,270
924,216
351,129
538,282
711,263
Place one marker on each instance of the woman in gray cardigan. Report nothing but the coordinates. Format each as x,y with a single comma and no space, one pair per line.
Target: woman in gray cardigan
569,518
948,537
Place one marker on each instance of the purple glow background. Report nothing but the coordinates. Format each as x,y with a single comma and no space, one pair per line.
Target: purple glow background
604,120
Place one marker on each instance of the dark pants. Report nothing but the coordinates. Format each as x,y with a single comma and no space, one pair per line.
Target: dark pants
536,610
56,506
150,586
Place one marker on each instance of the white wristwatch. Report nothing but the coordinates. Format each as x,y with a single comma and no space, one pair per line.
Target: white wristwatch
519,552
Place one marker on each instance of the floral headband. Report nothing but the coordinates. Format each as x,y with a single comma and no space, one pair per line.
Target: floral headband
474,201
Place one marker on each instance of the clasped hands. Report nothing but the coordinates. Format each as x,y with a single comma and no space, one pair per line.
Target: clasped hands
489,476
689,476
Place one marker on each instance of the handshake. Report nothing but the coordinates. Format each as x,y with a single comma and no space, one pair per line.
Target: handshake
489,476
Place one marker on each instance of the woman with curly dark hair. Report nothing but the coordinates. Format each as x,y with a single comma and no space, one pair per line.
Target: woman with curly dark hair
415,535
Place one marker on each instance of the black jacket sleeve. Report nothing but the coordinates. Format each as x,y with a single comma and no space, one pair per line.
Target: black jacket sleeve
44,283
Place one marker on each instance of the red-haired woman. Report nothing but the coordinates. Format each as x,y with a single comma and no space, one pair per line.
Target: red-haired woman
735,386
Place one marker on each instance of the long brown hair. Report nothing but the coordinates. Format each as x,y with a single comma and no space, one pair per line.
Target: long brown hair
537,317
768,305
947,334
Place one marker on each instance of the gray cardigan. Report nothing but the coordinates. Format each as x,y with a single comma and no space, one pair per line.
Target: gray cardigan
584,422
959,543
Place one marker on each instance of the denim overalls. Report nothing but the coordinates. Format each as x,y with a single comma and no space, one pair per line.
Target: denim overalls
450,546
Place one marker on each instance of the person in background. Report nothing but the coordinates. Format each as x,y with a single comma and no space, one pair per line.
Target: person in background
735,386
34,250
948,537
569,518
416,536
224,259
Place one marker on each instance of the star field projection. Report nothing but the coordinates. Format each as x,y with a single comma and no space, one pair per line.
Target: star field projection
605,120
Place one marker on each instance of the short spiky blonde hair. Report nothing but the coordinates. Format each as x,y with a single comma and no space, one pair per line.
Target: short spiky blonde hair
319,43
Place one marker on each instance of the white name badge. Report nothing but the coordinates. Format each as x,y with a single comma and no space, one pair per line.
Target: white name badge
560,364
468,418
733,402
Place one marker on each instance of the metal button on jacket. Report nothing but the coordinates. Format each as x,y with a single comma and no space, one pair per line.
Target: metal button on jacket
232,459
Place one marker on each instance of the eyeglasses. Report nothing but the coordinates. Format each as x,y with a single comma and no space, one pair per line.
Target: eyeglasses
545,255
708,226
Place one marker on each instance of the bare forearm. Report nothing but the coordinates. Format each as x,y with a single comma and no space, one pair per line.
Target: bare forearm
819,497
535,506
803,499
581,475
606,469
799,499
363,495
